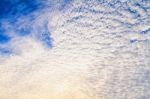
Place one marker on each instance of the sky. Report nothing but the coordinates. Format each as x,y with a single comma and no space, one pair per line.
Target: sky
74,49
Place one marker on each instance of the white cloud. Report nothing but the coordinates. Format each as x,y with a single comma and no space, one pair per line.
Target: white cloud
91,55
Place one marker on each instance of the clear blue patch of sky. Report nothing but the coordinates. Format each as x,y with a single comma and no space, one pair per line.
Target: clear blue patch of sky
3,37
43,34
14,8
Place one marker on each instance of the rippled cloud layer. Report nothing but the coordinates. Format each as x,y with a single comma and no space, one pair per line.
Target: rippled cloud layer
82,49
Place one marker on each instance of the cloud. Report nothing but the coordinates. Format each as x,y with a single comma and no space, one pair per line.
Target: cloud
89,49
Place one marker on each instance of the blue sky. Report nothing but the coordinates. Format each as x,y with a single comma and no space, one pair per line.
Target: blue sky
75,46
12,10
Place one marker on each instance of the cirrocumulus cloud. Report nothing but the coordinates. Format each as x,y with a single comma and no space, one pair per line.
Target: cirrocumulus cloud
74,49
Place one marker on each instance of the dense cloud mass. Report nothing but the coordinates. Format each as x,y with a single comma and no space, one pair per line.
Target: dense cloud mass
75,49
